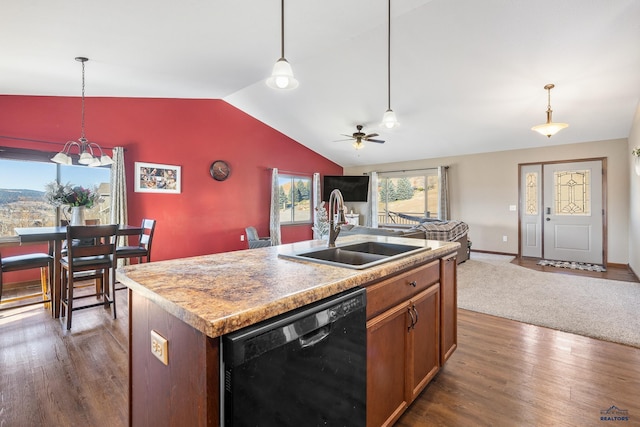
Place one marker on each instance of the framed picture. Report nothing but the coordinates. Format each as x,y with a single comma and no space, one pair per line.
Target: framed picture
156,178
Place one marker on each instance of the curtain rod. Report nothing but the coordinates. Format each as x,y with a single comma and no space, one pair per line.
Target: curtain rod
411,170
43,141
291,172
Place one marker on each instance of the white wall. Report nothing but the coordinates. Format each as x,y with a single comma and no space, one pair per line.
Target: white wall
482,186
634,198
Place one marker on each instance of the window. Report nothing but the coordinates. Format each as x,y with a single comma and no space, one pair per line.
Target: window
23,176
405,197
295,199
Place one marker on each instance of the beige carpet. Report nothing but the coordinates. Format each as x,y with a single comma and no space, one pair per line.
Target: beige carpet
598,308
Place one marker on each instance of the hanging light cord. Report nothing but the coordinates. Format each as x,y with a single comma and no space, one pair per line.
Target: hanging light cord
82,60
282,28
388,57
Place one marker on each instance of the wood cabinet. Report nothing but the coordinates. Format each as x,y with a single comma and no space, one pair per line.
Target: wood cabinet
403,341
423,351
448,307
411,332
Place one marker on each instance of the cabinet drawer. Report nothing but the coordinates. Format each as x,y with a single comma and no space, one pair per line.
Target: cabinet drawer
383,295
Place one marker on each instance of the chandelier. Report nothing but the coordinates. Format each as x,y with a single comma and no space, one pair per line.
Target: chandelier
549,128
88,151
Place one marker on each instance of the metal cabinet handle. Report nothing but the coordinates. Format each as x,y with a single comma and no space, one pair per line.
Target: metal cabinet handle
416,312
413,283
413,319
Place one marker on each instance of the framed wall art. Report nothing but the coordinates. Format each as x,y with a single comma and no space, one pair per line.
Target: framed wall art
157,178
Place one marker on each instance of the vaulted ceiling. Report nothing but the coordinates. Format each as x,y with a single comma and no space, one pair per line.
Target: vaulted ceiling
467,76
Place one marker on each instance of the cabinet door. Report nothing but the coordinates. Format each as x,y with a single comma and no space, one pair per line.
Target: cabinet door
448,308
423,357
387,336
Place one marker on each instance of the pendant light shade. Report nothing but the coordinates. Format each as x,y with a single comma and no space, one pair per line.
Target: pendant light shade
549,128
282,74
389,119
88,151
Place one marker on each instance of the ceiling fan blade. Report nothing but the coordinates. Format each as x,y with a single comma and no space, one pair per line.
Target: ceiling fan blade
340,140
348,136
371,135
379,141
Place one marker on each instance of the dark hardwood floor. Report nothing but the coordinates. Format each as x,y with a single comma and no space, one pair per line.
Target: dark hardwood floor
614,272
504,373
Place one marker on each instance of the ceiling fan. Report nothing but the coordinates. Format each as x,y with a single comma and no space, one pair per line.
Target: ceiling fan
360,136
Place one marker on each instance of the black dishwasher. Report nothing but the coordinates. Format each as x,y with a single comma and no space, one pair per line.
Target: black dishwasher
304,368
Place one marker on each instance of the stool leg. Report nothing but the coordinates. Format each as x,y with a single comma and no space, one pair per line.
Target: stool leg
63,293
44,282
69,300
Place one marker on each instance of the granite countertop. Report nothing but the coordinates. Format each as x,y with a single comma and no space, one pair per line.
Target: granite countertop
224,292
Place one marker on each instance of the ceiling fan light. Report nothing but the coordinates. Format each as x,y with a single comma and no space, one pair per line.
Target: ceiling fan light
389,119
358,145
549,129
282,76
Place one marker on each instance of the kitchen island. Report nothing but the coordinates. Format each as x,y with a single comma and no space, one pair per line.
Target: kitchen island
190,303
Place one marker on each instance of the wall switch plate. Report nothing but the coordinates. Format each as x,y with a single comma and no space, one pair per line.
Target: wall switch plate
504,238
160,347
242,237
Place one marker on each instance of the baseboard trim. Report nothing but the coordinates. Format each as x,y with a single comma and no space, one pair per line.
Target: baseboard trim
492,252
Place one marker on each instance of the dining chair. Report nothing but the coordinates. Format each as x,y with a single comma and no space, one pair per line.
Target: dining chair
29,261
255,241
93,259
143,248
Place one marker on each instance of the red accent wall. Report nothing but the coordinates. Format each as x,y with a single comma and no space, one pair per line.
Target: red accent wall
208,216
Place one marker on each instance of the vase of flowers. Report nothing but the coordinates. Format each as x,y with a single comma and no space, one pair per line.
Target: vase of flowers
76,198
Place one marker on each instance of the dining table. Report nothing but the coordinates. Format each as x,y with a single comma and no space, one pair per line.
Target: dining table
54,236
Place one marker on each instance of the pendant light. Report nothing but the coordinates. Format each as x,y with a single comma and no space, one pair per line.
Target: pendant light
549,128
282,74
88,150
389,119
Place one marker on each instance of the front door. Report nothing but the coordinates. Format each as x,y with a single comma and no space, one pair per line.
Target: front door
564,221
573,215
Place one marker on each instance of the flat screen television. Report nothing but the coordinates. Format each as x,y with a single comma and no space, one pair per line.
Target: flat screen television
353,188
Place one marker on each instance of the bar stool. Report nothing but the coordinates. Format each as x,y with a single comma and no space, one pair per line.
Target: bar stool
93,259
26,262
143,248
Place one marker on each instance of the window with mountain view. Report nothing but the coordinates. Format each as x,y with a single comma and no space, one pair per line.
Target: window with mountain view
22,188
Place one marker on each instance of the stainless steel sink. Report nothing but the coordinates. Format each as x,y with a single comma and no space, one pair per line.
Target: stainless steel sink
357,255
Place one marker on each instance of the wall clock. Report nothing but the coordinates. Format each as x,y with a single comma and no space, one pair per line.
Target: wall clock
219,170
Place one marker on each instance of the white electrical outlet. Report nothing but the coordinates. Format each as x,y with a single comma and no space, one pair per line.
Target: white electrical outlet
242,237
512,208
160,347
504,238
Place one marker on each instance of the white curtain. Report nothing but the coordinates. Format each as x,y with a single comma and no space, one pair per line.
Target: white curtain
443,179
316,197
372,203
274,216
119,195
